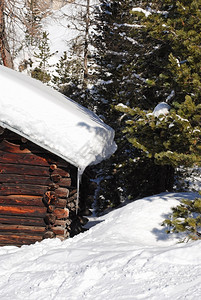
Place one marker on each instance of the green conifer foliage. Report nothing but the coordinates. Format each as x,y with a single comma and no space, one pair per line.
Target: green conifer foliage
127,56
41,72
172,139
115,50
69,75
186,217
179,25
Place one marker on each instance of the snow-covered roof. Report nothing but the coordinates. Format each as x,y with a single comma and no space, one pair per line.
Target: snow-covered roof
53,121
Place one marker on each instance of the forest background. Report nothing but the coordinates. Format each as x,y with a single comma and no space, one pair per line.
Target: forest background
124,58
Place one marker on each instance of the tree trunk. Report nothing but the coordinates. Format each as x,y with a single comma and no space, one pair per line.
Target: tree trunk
86,42
4,47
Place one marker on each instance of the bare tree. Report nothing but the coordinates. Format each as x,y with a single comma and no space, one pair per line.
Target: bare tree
4,46
19,20
86,41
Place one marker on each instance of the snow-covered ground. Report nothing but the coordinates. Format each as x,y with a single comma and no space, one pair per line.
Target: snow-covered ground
126,255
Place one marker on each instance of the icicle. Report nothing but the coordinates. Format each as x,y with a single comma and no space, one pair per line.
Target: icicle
79,176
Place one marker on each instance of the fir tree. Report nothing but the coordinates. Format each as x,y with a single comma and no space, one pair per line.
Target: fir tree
121,43
186,218
69,76
171,140
155,60
41,72
179,26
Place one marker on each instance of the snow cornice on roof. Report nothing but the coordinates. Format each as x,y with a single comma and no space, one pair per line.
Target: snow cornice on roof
53,121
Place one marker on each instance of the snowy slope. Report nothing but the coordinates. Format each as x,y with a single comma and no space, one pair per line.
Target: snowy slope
53,121
126,256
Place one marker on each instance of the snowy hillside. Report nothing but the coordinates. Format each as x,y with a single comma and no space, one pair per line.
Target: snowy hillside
127,255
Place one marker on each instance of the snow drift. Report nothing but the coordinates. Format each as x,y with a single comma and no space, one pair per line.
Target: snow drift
127,255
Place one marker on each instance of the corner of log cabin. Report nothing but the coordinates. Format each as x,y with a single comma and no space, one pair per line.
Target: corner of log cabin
37,193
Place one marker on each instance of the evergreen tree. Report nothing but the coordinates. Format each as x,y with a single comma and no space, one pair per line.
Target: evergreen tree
69,76
186,218
41,72
173,139
147,54
114,48
179,26
118,41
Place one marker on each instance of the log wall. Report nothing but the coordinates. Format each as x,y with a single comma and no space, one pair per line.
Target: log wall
37,193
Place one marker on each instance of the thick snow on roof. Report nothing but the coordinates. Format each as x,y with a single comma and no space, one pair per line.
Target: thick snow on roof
53,121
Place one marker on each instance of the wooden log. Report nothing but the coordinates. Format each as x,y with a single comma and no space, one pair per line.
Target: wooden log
59,171
28,201
71,205
29,189
22,229
61,213
21,220
63,182
51,208
49,198
55,177
49,235
73,192
22,200
53,167
58,202
22,189
24,179
59,230
62,192
63,223
72,199
21,169
25,158
33,149
18,239
53,186
50,219
13,148
29,179
61,203
27,211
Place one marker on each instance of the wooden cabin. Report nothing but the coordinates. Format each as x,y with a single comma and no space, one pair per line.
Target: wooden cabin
46,142
37,192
